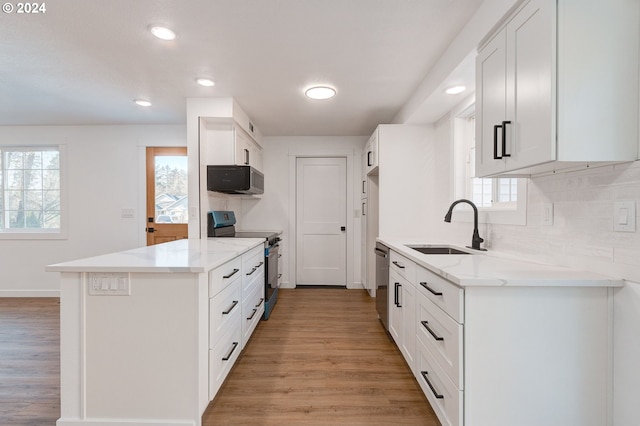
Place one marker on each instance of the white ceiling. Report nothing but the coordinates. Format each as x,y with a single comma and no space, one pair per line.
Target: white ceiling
84,61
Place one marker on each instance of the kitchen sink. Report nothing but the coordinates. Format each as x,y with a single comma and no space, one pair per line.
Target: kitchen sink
426,249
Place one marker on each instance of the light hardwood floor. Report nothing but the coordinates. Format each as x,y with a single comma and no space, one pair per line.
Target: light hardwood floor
321,359
29,361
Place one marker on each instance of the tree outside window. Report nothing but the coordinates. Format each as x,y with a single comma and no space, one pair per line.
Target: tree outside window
30,188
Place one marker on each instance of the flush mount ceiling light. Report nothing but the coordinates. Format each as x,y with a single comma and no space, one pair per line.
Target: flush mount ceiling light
161,32
142,102
206,82
320,92
454,90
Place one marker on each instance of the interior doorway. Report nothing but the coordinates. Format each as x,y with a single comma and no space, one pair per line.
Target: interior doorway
167,202
321,201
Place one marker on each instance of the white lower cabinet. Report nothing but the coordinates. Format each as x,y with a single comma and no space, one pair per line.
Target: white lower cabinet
443,336
224,354
252,291
402,306
236,305
443,395
504,355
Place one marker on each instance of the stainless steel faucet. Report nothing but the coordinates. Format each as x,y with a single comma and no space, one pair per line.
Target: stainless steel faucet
475,240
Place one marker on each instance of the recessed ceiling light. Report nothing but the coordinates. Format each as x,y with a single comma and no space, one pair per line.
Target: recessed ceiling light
454,90
206,82
162,33
320,92
142,102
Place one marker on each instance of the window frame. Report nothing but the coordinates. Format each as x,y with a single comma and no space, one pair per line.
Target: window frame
41,233
505,213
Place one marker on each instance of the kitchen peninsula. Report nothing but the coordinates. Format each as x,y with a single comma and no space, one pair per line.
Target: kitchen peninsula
148,335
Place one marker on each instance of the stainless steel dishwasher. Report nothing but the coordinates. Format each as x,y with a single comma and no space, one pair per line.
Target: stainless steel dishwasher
382,283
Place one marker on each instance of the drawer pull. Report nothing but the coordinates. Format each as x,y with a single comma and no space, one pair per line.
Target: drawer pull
233,305
279,276
398,265
279,256
231,274
253,314
259,265
252,271
426,379
260,303
435,293
233,348
425,324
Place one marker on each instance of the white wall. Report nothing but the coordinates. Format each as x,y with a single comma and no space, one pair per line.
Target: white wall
582,237
105,174
276,208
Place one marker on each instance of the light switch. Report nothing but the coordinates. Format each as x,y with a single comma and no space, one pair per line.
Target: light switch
624,216
547,214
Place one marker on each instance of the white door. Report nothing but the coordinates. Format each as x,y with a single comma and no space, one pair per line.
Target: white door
321,197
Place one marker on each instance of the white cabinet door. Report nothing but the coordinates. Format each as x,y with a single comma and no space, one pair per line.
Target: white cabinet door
515,107
395,310
224,142
248,153
402,316
530,36
408,300
491,101
370,155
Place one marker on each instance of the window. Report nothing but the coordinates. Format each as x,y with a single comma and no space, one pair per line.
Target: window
30,190
500,200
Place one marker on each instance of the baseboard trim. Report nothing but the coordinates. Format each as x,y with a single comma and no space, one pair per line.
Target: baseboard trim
29,293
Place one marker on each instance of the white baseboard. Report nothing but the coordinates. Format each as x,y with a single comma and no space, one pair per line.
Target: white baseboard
29,293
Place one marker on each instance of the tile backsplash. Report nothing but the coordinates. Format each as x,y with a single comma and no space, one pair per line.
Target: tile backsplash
582,234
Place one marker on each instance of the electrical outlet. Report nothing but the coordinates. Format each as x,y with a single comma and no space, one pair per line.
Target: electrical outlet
109,284
547,214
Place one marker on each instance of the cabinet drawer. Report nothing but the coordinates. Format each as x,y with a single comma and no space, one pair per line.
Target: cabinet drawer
252,310
223,355
443,336
441,292
445,399
220,277
223,309
252,278
403,266
252,259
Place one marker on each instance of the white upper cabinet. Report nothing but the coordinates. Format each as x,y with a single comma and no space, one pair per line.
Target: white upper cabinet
370,155
557,87
223,142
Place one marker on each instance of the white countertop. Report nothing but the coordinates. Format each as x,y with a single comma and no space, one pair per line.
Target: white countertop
491,269
188,255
